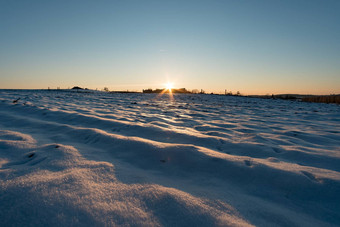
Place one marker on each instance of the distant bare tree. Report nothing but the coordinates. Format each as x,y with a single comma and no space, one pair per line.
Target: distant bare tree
106,89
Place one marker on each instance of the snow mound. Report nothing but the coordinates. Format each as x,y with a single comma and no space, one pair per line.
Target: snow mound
54,185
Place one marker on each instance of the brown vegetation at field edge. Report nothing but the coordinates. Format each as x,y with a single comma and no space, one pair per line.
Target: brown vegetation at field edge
323,99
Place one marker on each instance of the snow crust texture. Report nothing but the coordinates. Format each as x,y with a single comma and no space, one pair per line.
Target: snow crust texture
99,159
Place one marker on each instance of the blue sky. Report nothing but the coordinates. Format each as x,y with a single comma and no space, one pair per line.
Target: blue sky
255,47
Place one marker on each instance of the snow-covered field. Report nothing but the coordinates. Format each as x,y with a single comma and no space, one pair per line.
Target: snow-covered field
94,159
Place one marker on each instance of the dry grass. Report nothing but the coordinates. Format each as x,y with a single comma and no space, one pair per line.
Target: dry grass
323,99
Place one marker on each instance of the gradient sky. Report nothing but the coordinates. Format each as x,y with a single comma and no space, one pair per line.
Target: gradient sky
255,47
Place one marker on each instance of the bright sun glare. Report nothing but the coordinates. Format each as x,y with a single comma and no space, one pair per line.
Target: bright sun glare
169,86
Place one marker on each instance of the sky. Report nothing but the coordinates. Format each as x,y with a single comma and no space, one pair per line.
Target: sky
255,47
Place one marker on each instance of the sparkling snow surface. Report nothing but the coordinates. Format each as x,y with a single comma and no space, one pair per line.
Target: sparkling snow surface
87,159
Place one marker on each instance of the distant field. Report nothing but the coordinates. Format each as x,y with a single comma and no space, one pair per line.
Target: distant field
92,158
323,99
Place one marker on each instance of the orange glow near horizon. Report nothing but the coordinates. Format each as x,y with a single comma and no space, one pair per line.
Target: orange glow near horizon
168,88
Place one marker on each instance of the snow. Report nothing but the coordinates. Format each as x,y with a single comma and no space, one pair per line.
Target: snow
94,158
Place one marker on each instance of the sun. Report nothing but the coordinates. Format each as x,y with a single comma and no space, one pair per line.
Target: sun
169,86
168,89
